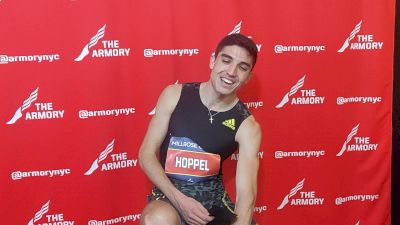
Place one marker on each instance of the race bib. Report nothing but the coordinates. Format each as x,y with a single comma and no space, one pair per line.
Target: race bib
186,160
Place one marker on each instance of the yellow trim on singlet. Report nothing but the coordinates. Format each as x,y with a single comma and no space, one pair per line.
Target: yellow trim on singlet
226,204
154,195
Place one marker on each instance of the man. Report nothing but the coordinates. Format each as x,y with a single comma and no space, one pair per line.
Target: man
195,128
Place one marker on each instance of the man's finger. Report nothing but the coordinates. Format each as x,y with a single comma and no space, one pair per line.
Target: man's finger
198,220
204,212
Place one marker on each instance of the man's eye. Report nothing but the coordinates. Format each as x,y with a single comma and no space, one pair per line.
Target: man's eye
244,68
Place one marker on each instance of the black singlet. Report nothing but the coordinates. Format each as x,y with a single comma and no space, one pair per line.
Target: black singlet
194,148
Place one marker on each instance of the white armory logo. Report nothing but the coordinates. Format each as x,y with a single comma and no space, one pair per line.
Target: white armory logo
40,213
308,97
236,30
361,143
294,190
306,198
119,160
101,157
363,42
43,110
27,103
93,42
110,47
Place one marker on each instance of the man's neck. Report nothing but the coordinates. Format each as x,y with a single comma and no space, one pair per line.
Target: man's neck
214,100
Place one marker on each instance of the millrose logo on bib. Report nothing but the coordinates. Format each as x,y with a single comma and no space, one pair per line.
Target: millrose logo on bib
308,96
306,198
355,143
109,48
118,160
51,219
43,110
361,41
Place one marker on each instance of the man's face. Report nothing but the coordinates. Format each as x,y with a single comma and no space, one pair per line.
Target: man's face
230,69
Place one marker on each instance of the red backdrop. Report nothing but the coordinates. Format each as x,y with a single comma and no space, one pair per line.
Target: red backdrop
79,80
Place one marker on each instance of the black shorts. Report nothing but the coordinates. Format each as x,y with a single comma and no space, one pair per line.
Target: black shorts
209,193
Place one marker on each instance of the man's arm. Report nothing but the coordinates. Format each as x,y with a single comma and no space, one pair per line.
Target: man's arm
249,139
191,210
156,132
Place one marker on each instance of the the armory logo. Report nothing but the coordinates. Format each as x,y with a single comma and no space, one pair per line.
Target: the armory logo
362,41
119,160
306,198
236,30
56,219
308,96
39,214
110,48
355,143
51,219
43,110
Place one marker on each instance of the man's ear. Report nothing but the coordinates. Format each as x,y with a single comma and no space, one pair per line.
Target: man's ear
212,61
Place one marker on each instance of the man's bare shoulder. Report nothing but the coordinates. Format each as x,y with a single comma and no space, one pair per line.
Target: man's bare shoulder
249,136
250,127
171,91
169,98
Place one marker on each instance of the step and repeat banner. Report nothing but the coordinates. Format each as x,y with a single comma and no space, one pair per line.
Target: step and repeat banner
80,80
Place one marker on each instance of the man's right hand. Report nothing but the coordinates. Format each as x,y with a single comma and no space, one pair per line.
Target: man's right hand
192,211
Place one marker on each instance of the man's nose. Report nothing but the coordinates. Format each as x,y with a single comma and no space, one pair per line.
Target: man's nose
232,70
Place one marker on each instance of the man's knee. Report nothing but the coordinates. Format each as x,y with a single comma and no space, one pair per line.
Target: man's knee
160,213
152,219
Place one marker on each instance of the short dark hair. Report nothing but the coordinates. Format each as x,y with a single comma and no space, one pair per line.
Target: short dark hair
241,41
